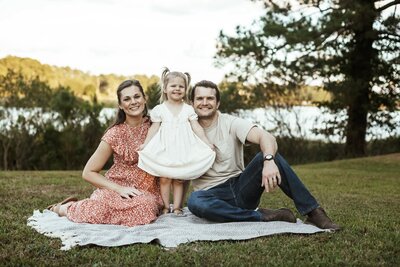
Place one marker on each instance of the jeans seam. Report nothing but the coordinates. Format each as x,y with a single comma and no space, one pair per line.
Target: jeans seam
233,191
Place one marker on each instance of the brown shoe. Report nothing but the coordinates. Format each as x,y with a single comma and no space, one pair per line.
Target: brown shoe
269,215
319,218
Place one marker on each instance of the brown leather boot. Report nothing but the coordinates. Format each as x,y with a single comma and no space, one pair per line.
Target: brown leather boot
269,215
319,218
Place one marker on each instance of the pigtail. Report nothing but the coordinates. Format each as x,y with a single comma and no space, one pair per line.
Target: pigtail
163,84
188,79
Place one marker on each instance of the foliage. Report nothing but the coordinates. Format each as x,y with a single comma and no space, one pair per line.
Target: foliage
83,84
351,47
43,128
153,94
15,91
147,82
359,194
234,96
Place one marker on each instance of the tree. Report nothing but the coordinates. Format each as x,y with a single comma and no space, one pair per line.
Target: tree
41,128
234,96
351,47
153,93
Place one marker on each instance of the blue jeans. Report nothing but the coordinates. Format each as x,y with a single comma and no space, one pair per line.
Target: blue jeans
237,198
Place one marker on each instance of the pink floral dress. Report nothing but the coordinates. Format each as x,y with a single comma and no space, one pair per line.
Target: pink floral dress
106,206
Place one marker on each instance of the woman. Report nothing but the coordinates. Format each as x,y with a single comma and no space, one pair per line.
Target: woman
126,195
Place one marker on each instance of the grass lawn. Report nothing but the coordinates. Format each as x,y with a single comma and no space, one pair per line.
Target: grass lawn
362,195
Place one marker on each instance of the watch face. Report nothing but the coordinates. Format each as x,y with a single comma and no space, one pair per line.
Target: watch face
268,157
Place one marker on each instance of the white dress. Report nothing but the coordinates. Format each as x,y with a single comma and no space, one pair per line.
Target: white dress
175,151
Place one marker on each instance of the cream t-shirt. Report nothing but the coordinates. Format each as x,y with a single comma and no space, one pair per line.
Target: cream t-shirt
228,135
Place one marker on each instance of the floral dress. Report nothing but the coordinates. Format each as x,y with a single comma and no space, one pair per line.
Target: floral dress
106,206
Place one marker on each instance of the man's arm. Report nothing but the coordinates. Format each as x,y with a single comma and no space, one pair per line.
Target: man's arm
270,174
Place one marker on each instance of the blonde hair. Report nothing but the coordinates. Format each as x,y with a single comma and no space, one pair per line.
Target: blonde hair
166,75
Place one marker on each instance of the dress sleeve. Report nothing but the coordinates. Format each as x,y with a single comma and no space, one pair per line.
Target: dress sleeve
191,114
155,114
110,137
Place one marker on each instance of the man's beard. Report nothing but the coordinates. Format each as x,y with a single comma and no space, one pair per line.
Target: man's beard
207,116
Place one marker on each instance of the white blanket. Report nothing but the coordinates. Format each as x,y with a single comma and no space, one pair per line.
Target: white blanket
168,230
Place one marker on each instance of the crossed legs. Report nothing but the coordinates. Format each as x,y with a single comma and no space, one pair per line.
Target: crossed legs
237,198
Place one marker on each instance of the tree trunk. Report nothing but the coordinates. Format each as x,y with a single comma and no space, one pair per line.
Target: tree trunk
359,76
356,128
6,146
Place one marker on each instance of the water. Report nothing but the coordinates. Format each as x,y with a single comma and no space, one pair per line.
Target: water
297,122
301,120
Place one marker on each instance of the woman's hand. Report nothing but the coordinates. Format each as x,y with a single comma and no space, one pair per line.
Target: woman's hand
128,192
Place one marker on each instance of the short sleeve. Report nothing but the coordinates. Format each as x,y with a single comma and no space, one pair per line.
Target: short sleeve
110,137
241,128
191,114
155,114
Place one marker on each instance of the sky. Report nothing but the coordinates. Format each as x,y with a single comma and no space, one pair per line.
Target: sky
123,37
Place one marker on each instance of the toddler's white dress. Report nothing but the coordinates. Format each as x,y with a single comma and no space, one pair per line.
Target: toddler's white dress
175,151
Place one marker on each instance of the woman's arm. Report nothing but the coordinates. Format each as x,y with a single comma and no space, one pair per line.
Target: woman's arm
95,164
199,131
152,131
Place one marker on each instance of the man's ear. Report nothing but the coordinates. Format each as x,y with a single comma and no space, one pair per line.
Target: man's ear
218,104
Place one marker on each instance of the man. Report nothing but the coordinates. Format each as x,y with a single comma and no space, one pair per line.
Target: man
228,191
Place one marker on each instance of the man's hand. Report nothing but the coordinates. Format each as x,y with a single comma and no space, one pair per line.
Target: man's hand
271,177
211,146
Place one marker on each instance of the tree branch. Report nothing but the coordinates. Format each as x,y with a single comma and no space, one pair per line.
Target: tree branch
396,2
389,34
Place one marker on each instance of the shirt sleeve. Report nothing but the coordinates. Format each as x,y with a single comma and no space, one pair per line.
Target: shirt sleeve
241,128
155,114
191,114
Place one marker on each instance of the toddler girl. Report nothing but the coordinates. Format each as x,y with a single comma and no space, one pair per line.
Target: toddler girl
176,147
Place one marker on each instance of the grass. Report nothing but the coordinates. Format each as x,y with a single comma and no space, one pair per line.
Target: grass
362,195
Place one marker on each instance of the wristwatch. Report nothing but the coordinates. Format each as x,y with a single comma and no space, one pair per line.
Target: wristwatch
268,157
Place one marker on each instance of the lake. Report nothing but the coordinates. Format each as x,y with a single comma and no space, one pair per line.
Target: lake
298,121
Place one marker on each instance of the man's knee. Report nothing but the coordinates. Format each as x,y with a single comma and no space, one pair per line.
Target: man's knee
195,202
